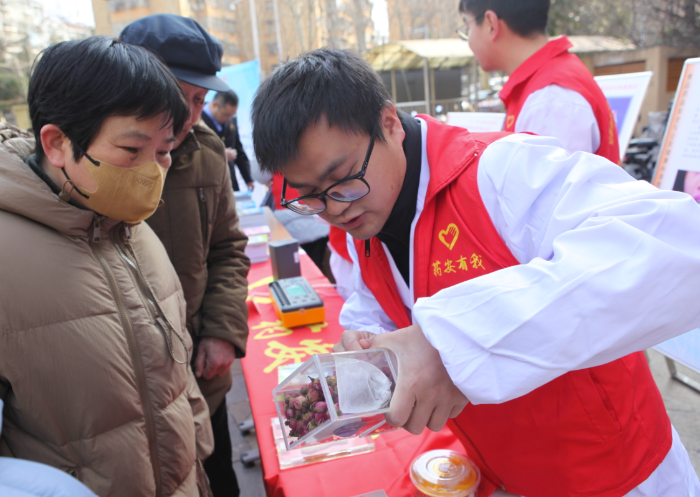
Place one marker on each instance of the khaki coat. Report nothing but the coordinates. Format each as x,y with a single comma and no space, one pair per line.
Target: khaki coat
198,225
90,312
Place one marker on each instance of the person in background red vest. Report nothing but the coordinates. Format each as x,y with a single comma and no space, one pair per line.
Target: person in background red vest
549,92
340,262
276,191
516,283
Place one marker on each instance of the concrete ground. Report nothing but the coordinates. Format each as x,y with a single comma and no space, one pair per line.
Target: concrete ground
682,404
250,479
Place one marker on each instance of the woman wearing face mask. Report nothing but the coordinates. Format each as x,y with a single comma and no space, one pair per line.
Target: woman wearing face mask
94,355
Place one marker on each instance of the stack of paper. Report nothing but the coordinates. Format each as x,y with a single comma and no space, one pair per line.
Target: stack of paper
257,249
250,214
243,196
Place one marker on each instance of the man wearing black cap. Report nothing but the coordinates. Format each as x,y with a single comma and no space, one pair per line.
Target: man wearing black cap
198,225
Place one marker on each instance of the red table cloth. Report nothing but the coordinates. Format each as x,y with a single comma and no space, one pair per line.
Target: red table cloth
271,345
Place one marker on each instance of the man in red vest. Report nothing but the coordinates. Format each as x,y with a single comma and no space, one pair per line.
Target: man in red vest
514,278
549,91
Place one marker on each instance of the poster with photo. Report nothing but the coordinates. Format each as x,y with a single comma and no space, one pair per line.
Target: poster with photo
625,94
678,168
688,182
680,149
619,107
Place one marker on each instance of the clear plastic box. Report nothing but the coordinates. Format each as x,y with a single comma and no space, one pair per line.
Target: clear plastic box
318,453
309,401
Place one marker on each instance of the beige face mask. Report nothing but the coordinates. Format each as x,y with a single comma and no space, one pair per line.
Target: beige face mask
125,194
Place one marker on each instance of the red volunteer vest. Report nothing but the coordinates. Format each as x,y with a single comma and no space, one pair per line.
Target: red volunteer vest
276,190
554,65
338,240
593,432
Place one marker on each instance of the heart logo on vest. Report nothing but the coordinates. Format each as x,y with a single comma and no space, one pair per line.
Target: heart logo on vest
449,235
509,122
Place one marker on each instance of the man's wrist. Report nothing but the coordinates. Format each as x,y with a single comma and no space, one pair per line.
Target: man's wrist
240,353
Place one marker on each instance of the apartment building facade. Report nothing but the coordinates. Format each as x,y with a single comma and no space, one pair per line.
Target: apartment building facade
269,30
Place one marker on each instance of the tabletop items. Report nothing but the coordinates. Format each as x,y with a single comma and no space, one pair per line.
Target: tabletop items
336,396
258,238
296,302
317,453
444,473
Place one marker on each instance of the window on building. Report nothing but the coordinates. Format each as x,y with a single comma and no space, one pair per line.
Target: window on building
626,68
272,48
232,49
117,5
673,74
231,26
269,26
118,27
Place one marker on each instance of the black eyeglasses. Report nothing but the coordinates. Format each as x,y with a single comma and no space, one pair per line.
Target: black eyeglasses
347,190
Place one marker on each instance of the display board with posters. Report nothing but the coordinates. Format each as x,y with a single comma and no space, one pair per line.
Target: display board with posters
477,122
625,94
678,168
684,349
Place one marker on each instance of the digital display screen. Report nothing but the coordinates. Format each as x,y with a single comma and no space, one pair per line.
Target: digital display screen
295,290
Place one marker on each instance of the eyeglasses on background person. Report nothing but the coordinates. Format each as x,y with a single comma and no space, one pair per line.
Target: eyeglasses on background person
463,32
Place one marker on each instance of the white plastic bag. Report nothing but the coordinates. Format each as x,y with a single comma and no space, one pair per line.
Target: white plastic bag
362,387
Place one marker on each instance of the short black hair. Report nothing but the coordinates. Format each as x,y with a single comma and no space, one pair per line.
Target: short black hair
337,84
76,85
524,17
226,98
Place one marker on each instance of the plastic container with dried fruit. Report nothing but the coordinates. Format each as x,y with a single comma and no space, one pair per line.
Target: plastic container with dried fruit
336,396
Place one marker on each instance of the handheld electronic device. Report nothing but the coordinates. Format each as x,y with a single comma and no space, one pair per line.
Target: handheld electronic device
296,302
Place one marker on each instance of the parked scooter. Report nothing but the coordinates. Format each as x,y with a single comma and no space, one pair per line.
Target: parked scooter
643,151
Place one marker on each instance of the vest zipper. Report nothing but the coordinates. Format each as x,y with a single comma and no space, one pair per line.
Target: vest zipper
367,253
157,313
204,215
137,364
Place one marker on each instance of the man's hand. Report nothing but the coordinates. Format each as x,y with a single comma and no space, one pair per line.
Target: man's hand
353,340
251,185
231,154
214,358
424,394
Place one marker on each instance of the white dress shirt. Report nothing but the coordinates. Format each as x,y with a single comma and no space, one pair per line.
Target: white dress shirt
562,113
